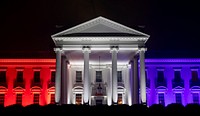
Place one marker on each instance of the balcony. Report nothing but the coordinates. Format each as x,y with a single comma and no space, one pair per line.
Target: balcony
99,89
19,84
51,84
4,84
194,83
36,84
160,82
177,83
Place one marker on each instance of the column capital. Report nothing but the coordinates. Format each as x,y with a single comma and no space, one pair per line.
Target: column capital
114,48
86,49
142,49
57,49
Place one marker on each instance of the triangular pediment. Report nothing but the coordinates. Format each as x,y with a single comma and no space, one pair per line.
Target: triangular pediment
100,26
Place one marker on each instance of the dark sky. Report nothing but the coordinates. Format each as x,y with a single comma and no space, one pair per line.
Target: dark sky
27,25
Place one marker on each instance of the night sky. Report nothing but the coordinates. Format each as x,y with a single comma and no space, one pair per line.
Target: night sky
27,25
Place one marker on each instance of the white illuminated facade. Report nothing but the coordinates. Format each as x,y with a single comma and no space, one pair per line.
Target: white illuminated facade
97,63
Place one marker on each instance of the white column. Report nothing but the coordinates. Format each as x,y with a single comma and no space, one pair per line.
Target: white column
58,76
69,86
134,67
109,88
64,80
86,86
128,87
142,77
114,51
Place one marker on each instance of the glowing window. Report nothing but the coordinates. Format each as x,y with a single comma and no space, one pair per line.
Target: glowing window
36,98
78,99
2,96
3,76
195,97
19,98
52,98
119,101
98,76
78,76
119,76
161,98
178,97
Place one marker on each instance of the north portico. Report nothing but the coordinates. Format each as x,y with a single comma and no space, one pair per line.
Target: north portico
97,63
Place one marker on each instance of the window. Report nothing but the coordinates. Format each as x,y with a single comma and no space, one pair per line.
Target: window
36,98
53,75
161,98
119,76
119,101
195,98
78,76
147,79
52,99
177,81
36,76
98,76
19,98
177,76
178,98
160,76
19,76
160,79
2,96
78,99
194,76
3,76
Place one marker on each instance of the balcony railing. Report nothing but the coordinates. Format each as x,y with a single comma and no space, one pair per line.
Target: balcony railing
177,83
36,84
194,83
19,84
4,84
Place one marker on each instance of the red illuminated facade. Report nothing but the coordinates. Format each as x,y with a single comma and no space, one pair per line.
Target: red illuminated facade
27,81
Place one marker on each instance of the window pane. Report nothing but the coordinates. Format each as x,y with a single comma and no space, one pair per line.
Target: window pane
194,76
53,75
119,101
178,98
78,99
19,76
2,76
36,76
98,76
177,76
2,96
161,98
119,76
52,98
160,76
78,76
19,98
36,98
195,98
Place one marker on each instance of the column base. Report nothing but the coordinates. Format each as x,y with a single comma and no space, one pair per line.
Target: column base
87,103
58,104
114,103
144,103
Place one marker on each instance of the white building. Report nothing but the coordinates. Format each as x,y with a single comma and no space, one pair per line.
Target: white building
97,63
